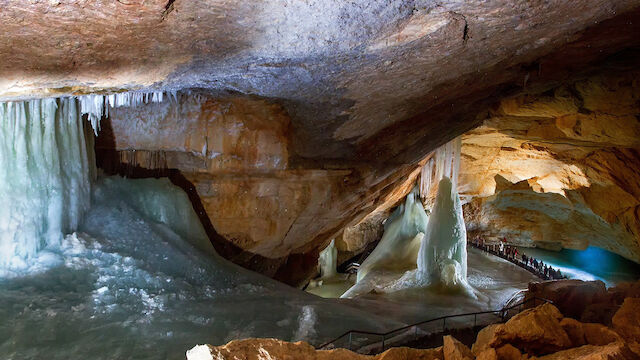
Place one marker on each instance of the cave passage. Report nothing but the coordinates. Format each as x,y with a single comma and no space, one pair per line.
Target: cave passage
284,179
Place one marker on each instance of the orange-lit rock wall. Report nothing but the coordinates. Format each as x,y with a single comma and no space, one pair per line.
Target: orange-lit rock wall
574,153
233,153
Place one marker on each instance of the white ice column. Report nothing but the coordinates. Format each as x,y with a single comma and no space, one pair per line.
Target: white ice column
443,254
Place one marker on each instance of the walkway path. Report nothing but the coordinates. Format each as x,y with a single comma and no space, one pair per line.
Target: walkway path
515,261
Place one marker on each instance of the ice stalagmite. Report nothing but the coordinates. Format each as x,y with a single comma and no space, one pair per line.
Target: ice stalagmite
328,261
443,254
45,176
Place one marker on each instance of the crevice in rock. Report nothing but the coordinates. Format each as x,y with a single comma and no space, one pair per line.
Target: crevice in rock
168,8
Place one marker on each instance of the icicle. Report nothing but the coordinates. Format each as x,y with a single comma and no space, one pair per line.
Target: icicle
97,106
444,163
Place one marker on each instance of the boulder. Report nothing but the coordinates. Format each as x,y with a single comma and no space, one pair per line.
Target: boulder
598,334
455,350
535,331
571,297
613,351
274,349
488,354
508,352
484,339
626,321
588,333
574,330
403,353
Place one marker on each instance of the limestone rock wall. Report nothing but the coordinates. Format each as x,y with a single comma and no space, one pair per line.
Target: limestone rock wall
232,155
560,168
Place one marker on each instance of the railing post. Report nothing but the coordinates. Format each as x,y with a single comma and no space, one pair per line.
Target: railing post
350,340
444,324
415,332
475,322
382,342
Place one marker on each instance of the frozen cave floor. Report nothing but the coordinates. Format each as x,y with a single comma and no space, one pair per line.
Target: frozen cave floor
495,281
139,280
131,284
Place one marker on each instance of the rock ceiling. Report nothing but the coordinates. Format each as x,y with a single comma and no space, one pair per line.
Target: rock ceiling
345,71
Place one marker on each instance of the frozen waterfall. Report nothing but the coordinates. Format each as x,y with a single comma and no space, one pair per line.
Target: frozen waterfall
45,176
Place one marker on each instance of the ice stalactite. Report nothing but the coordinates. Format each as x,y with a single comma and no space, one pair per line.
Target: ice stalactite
445,162
45,176
96,106
328,261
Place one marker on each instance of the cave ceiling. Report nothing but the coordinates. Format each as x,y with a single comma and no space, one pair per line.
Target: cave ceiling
366,80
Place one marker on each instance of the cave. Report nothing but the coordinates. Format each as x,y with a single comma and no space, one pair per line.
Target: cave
285,179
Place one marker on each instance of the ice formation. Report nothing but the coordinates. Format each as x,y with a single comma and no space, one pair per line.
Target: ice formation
443,254
328,261
445,162
96,106
435,244
199,352
129,285
139,278
46,168
398,248
45,176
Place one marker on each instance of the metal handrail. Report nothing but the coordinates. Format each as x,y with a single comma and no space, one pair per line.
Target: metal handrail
443,318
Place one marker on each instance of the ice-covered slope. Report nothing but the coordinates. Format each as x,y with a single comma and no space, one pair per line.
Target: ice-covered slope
130,286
